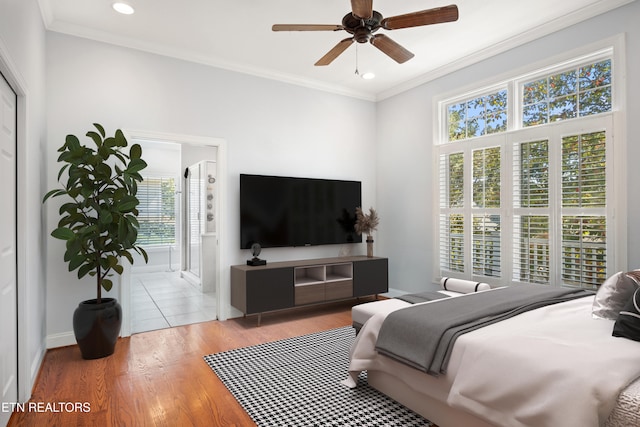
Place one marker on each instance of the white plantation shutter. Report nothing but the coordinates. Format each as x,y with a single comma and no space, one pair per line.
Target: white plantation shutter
486,244
531,177
584,191
584,250
486,177
583,170
531,247
451,218
452,242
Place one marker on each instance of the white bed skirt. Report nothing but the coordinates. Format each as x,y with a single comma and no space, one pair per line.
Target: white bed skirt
625,414
430,408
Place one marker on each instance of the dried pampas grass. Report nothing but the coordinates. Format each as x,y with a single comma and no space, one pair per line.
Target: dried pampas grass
366,224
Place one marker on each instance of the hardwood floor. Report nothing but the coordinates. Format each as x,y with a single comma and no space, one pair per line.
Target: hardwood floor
159,378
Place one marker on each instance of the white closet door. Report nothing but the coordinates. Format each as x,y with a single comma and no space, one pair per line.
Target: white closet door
8,281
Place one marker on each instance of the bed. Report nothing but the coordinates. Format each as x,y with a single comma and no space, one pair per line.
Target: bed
552,366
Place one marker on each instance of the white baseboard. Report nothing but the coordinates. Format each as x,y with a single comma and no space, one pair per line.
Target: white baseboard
36,363
62,339
142,269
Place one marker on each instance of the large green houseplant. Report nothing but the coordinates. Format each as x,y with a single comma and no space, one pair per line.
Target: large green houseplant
99,225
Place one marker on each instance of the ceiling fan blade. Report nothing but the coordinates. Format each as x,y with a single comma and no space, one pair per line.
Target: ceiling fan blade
362,8
335,52
424,17
391,48
306,27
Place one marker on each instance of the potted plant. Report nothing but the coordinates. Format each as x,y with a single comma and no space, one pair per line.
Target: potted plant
99,226
367,224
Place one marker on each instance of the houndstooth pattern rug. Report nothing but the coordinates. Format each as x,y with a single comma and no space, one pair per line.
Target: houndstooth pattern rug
296,382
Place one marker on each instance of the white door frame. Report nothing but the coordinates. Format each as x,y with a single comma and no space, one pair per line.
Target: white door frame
13,76
221,161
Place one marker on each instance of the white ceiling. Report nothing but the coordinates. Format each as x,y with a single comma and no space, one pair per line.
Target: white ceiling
237,35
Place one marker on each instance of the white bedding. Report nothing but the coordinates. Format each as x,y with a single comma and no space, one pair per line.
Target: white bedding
554,366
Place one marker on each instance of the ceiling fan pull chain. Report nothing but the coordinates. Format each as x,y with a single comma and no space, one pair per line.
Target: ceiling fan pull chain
357,72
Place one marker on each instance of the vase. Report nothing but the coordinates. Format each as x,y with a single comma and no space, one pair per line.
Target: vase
97,327
369,247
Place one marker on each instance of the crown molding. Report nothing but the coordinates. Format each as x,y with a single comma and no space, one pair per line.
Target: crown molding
550,27
162,50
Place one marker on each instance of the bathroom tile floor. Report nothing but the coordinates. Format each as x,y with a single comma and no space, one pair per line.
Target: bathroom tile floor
164,299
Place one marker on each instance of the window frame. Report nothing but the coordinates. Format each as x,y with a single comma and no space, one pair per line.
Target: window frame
616,206
519,82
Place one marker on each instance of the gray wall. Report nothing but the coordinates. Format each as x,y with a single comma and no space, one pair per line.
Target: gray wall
270,128
405,139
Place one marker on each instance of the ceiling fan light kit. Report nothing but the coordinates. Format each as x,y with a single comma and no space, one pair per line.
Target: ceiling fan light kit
363,22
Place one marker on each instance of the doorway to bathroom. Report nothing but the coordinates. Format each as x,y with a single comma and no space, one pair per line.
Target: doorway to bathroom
179,212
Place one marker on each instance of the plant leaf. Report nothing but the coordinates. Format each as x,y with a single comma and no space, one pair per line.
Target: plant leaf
63,233
127,203
62,169
72,143
113,261
135,152
136,165
76,261
128,256
96,138
144,254
121,141
84,269
52,193
100,129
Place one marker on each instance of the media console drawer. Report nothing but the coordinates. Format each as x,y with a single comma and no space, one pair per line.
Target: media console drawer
308,294
338,290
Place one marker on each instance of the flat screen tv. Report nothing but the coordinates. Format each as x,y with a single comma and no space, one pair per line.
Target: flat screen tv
277,211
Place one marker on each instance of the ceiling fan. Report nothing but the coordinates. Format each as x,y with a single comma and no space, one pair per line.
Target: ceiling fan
362,22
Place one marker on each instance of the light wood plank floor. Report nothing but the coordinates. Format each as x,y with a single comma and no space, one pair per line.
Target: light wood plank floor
159,378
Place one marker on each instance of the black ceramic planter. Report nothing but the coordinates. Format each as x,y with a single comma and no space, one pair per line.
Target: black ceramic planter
97,327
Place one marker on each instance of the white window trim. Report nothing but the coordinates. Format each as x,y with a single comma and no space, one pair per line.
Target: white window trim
614,48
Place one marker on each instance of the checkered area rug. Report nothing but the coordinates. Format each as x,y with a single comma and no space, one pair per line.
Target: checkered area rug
296,382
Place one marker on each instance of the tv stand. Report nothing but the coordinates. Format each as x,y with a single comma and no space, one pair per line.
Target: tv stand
289,284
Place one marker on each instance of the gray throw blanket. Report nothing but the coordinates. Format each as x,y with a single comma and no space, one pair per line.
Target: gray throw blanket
422,297
422,336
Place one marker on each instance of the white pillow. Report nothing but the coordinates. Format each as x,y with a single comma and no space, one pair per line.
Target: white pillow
462,286
614,293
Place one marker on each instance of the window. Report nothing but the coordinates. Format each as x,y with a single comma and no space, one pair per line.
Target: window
157,209
482,115
578,92
530,200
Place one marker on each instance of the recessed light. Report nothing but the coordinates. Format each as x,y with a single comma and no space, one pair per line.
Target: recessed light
124,8
368,76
